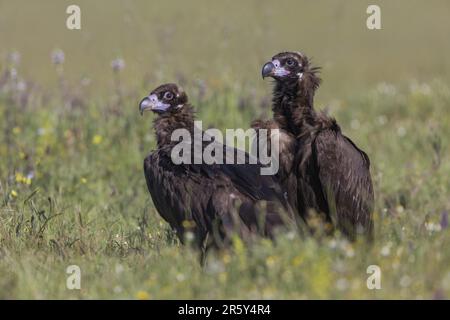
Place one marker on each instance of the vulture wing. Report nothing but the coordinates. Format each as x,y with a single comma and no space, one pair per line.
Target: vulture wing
178,197
246,177
203,193
343,171
257,193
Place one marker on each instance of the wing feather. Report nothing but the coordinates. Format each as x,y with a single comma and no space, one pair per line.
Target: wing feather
344,173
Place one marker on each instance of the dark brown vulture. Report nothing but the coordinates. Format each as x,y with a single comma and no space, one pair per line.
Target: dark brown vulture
327,172
213,201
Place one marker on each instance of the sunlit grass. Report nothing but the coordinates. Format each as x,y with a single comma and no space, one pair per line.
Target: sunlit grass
73,192
72,143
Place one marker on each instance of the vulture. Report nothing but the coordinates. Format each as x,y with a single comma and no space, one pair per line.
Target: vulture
322,169
212,201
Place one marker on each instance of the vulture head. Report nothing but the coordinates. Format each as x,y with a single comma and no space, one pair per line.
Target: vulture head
293,71
286,66
166,99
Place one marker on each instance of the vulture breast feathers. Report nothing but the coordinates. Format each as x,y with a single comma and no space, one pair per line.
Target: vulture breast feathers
331,174
213,201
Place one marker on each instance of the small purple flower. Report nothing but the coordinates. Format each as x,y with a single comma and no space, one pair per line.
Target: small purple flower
21,86
444,220
57,57
118,64
439,295
13,74
14,58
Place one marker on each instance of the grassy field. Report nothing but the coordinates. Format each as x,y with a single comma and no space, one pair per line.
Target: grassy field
72,143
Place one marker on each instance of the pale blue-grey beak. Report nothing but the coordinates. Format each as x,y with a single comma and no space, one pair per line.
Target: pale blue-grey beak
268,69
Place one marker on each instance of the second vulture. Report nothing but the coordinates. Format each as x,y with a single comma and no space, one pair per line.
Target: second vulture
322,169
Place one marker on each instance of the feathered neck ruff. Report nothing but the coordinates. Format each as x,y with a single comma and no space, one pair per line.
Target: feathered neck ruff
165,124
293,102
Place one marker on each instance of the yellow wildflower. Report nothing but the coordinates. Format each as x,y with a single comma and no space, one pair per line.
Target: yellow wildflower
223,276
270,261
226,258
97,139
16,130
239,248
83,180
297,261
22,179
188,224
142,295
14,193
19,177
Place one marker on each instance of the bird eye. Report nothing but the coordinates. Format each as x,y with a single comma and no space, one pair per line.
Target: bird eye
168,95
290,62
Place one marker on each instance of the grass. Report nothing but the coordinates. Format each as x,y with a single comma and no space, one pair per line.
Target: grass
72,190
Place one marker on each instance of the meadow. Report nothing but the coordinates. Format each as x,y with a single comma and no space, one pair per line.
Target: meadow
72,144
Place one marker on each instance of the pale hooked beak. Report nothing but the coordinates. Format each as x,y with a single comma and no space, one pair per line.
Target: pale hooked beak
152,103
144,105
267,69
274,69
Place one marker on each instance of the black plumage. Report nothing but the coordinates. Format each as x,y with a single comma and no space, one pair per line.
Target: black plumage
213,201
327,172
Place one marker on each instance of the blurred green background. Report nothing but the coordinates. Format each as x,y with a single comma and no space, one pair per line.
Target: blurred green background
72,143
217,40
